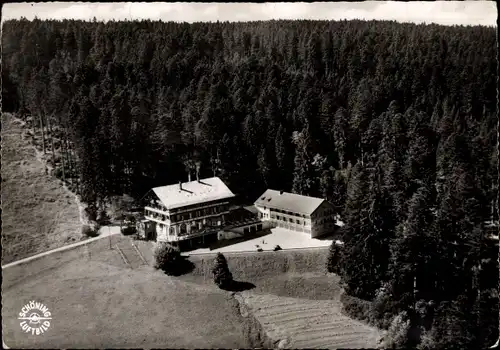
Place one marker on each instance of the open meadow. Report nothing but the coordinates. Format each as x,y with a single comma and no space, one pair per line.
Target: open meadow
38,213
101,302
90,291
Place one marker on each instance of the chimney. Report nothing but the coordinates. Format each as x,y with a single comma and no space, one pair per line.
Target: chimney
198,172
180,185
189,177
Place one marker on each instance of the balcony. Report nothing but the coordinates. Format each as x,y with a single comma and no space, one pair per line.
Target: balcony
194,217
197,232
159,218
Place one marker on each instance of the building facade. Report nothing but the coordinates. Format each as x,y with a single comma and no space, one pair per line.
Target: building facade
186,212
314,216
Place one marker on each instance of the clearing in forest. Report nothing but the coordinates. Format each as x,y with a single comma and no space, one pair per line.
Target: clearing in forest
38,213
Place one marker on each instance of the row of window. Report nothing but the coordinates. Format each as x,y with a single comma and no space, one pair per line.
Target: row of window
186,216
327,212
286,212
291,220
296,228
195,226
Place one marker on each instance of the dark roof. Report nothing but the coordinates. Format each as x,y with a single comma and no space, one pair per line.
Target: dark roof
289,202
252,209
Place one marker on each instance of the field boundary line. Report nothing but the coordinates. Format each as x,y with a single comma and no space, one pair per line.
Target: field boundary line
123,256
139,253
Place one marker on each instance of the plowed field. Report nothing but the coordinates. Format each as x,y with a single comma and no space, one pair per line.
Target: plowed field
304,323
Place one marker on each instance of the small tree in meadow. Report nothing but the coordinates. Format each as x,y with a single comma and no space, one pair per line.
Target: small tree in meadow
333,260
167,258
222,276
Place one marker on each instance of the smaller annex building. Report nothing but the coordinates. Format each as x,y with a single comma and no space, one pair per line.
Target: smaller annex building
315,216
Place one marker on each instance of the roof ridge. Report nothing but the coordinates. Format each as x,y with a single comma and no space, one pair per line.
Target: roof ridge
289,201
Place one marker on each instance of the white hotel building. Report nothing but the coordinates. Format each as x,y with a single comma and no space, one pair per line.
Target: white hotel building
186,212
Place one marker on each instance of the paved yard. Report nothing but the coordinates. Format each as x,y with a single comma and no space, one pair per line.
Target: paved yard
286,239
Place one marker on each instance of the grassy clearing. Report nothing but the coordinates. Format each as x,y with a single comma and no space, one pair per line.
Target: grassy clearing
292,273
38,214
103,304
256,264
261,264
47,264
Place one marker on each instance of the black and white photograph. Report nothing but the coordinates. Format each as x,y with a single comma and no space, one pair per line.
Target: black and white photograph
250,175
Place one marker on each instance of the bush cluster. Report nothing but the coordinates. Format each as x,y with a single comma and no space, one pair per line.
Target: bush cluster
167,258
356,308
89,231
128,230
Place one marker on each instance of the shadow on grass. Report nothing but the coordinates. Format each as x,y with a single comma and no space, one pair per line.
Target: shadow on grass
331,236
182,267
238,286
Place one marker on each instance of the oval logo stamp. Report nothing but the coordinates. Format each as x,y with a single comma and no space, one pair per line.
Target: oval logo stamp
35,318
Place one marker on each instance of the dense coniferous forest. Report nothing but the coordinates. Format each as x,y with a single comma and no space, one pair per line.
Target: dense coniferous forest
395,124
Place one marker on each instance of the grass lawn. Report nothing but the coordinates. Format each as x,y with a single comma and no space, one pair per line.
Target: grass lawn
101,303
38,214
98,303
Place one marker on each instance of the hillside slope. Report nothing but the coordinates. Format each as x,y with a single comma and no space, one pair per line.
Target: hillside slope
300,323
38,214
102,303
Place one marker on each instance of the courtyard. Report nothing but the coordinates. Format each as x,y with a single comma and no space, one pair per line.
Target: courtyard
267,240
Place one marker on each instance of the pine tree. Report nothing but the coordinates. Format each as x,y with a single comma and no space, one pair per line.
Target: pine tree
303,181
220,270
332,264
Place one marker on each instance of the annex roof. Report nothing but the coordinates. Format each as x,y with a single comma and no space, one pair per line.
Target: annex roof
194,192
289,201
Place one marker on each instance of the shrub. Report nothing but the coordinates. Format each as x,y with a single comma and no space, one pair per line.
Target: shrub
167,258
89,231
277,247
397,335
102,217
91,212
356,308
128,230
260,249
58,173
222,276
383,308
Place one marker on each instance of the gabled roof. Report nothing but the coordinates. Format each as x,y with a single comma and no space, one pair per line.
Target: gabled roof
289,201
193,192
